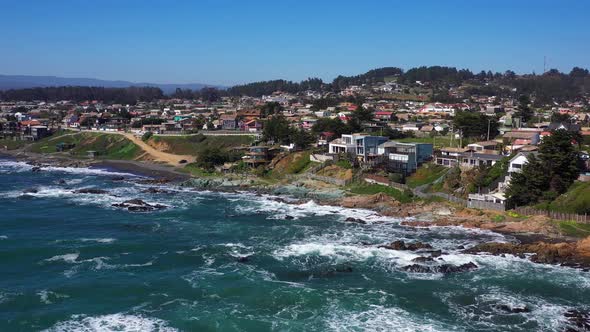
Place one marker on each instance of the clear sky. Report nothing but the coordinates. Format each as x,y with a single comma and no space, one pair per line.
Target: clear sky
228,42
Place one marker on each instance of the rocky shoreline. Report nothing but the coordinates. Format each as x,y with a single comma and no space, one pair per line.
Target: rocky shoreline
535,238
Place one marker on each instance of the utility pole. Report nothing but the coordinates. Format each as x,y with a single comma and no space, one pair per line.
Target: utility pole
489,122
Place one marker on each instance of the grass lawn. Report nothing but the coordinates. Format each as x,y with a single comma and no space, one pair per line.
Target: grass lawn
108,146
573,228
12,144
371,189
426,174
197,171
575,200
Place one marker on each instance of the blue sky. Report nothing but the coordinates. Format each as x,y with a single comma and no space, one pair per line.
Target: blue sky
228,42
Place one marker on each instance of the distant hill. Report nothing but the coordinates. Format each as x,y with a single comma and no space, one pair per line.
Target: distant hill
22,82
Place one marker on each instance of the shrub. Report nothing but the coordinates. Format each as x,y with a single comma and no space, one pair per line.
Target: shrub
344,164
146,136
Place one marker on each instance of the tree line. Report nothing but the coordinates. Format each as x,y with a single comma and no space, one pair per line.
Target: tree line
130,95
550,86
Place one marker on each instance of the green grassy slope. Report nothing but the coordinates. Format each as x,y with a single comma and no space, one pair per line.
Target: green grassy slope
108,146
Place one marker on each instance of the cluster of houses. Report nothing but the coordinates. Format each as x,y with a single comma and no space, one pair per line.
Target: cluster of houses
246,115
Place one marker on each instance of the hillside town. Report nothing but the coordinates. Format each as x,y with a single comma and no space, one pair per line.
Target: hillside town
388,128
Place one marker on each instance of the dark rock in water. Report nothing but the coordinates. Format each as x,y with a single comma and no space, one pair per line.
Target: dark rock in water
31,191
137,205
61,181
578,320
435,253
36,169
423,259
154,190
91,191
461,247
450,268
243,259
288,217
154,181
417,268
513,310
117,178
401,245
355,220
444,268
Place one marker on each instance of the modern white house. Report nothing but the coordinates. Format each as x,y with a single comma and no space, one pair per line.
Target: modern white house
365,147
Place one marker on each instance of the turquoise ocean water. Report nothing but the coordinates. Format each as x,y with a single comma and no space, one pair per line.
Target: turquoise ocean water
72,262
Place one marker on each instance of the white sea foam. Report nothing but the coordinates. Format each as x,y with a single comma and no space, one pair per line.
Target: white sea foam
87,171
115,195
238,249
47,297
8,166
99,240
345,252
3,237
485,312
275,209
380,318
68,258
114,322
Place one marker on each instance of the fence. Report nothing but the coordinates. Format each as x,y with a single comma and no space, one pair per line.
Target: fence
327,179
563,216
485,205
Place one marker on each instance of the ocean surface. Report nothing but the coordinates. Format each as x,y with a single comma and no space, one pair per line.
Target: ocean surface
72,262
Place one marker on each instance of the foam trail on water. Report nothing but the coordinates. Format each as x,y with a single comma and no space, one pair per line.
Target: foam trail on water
114,322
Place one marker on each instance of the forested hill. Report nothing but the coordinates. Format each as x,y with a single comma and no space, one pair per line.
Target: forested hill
550,86
25,81
82,93
267,87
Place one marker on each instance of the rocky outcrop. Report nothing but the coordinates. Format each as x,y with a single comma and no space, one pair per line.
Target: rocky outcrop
401,245
578,320
93,191
423,259
573,254
154,190
137,205
379,200
355,220
154,181
444,268
513,310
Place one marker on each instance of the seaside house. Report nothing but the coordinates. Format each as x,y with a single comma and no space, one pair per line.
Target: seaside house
404,158
256,156
363,146
465,157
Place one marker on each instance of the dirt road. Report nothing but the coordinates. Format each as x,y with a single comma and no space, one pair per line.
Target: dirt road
150,152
